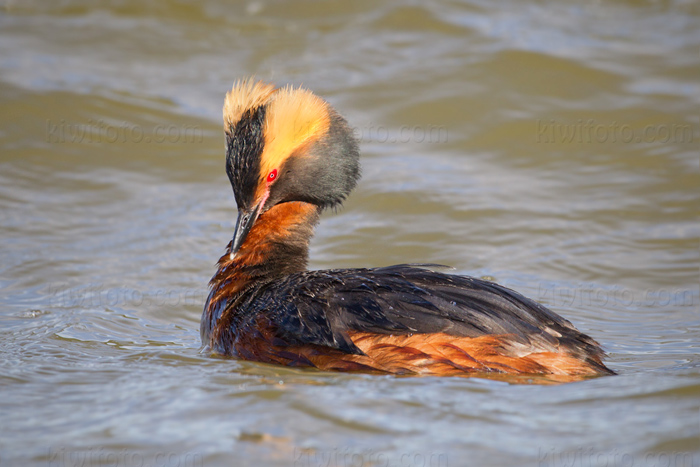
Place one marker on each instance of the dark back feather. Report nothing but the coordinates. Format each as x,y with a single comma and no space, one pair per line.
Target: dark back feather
323,307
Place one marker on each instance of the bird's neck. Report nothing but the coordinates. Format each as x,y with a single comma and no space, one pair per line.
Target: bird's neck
277,245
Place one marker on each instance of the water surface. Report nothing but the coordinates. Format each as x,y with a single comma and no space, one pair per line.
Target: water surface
550,146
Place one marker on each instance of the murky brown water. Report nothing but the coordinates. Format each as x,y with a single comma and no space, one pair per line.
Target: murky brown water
552,146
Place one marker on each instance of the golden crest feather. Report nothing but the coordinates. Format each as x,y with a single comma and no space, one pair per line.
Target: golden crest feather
295,116
244,95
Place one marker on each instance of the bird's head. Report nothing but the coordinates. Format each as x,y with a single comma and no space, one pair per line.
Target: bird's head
283,145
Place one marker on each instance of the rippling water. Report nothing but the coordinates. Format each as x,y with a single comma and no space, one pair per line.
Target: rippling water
551,146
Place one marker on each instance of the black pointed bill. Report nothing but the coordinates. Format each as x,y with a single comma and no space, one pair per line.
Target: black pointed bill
245,221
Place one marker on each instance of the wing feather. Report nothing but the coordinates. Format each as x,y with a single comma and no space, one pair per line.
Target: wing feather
323,307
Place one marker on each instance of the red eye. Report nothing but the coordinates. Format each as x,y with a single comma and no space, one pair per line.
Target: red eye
272,176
